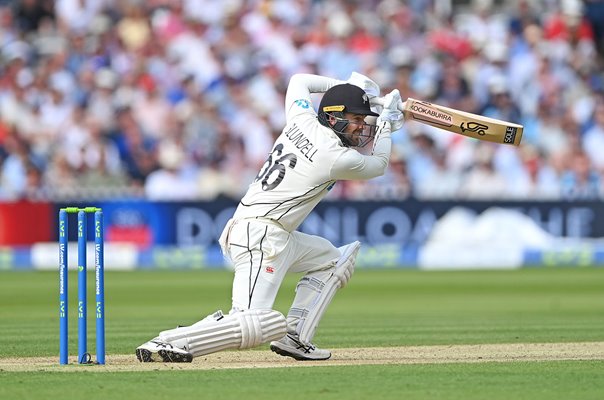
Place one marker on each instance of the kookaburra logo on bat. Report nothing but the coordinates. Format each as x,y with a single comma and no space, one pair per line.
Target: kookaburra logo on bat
474,127
457,121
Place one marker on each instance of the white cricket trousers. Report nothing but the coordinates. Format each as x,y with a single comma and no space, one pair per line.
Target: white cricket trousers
262,252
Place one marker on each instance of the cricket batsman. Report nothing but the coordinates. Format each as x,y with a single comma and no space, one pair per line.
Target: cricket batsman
314,151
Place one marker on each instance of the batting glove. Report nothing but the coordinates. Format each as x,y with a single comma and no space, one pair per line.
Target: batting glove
370,87
391,113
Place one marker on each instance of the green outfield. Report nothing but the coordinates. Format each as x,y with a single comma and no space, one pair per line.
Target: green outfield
379,308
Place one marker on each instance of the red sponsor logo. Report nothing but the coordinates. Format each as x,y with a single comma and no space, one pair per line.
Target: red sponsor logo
270,269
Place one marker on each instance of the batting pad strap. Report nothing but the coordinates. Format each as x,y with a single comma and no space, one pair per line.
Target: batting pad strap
238,330
260,326
310,305
316,290
345,265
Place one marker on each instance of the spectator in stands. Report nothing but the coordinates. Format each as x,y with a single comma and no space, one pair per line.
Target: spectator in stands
171,181
593,138
483,181
29,14
581,181
220,66
137,149
441,182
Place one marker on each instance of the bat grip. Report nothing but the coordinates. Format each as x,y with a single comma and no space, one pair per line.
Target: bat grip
380,102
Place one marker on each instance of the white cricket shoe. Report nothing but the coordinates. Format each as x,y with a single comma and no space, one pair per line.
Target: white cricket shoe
158,350
291,346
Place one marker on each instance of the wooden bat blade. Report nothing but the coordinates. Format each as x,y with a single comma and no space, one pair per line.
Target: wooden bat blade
464,123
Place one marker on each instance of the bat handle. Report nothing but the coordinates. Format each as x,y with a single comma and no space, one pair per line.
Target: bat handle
380,102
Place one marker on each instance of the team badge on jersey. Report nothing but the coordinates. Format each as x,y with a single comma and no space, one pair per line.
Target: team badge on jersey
270,270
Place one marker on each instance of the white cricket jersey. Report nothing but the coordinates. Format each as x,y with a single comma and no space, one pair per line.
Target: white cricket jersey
306,160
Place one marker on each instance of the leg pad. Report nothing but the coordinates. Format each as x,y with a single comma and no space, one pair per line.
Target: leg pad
315,292
237,330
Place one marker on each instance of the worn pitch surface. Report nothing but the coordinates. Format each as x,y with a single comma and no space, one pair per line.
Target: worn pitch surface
344,356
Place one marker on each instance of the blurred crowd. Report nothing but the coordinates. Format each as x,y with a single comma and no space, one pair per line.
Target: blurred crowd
181,99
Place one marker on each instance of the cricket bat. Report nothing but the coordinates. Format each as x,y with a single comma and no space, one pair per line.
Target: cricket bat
461,122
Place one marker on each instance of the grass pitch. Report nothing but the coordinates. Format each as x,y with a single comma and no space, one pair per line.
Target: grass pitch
379,308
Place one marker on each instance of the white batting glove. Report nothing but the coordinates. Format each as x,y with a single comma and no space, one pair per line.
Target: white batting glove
391,113
370,87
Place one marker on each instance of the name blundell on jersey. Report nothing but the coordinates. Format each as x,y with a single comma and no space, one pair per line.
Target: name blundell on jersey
301,142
